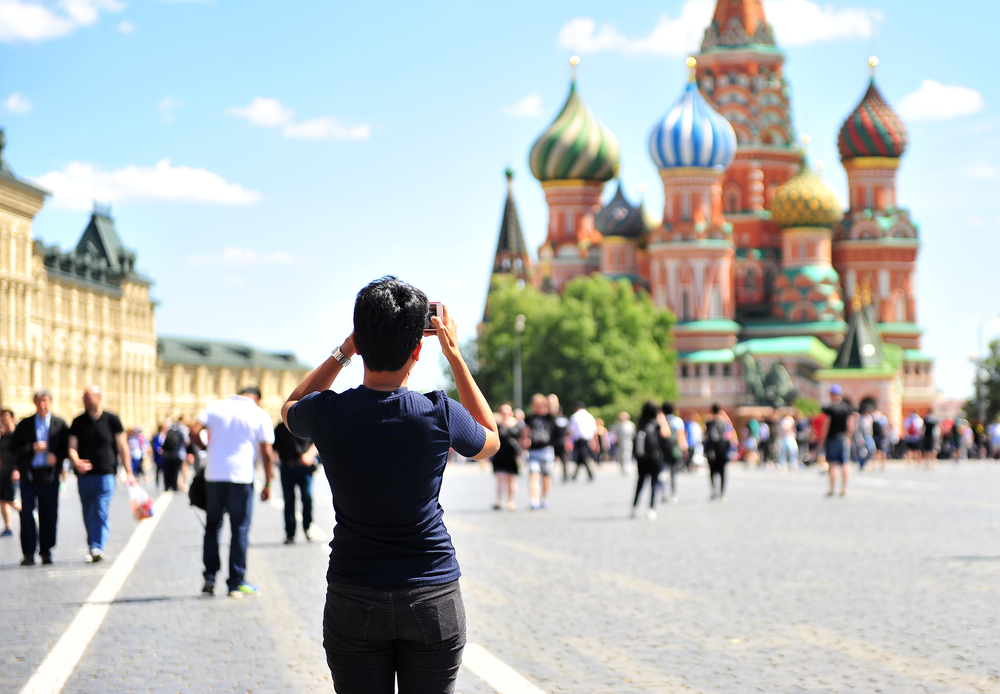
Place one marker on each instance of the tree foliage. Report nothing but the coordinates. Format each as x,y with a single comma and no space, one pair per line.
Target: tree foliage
598,342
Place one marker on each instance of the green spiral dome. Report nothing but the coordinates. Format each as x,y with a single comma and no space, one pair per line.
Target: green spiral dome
805,201
576,146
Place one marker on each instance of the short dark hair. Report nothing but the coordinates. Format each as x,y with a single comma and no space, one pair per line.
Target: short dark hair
250,390
649,410
668,407
716,408
10,412
388,323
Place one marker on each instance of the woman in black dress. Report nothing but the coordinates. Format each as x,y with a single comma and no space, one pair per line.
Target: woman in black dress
505,461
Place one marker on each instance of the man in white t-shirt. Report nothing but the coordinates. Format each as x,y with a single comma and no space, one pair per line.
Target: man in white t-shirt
583,431
237,430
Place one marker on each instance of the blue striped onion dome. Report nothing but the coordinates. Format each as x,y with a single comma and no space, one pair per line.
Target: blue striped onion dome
576,146
692,134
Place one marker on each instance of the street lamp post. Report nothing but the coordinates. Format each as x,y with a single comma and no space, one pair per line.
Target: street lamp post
518,329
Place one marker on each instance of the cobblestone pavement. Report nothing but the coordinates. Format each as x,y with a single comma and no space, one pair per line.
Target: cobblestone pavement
894,588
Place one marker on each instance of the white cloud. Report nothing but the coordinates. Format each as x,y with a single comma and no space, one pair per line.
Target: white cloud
982,171
77,185
126,27
935,101
795,22
801,22
271,113
528,107
243,257
167,108
37,20
18,103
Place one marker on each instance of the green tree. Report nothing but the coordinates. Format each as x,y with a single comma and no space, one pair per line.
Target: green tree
598,342
992,365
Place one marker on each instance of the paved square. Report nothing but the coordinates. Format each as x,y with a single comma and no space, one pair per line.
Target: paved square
894,588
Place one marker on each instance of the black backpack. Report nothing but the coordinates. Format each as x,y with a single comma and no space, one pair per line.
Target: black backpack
715,434
647,445
172,443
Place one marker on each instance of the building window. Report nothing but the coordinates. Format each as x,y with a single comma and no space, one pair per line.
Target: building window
727,370
711,369
684,370
686,207
570,222
732,201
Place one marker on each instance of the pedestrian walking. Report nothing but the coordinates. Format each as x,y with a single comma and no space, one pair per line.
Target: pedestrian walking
675,449
624,432
788,447
560,429
838,428
297,463
238,429
40,445
156,447
136,450
651,428
719,439
504,461
583,431
96,443
8,472
394,608
537,438
176,449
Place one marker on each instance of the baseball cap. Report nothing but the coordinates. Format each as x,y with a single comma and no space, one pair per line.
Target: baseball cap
836,390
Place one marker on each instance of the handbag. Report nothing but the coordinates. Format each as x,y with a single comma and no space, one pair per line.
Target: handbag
197,493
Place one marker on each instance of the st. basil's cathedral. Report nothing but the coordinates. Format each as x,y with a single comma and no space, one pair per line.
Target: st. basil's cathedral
771,281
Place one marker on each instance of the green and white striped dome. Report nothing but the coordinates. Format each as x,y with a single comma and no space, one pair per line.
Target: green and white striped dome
576,146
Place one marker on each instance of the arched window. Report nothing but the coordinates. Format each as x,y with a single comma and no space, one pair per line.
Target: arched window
732,201
686,207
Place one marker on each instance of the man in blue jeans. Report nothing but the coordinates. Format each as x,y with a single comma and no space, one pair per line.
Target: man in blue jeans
96,443
237,430
838,427
298,462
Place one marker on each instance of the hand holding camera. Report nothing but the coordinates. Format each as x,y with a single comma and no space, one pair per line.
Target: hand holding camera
444,327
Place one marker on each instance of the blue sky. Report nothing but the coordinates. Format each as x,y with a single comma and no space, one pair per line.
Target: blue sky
266,160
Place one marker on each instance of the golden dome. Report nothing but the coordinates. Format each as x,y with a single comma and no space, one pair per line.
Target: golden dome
805,201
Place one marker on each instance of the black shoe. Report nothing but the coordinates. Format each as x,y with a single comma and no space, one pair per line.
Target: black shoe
208,589
46,558
289,540
28,561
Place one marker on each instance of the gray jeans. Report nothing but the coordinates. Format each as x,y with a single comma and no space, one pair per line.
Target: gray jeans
413,635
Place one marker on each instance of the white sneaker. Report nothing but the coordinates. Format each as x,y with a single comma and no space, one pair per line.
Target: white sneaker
651,515
314,535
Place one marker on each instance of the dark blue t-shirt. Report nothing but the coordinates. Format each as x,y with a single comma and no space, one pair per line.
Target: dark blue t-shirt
384,454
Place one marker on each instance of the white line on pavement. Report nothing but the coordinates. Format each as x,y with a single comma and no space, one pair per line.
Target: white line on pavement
495,672
51,675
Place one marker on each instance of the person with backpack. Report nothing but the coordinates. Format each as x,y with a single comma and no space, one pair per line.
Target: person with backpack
537,439
718,441
174,452
651,429
674,450
560,432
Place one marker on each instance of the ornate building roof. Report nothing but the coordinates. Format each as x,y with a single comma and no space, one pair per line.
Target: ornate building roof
805,201
692,133
510,244
808,294
576,146
620,218
738,23
232,355
873,129
862,347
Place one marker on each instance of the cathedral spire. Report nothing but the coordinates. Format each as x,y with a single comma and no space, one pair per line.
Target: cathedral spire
512,253
738,23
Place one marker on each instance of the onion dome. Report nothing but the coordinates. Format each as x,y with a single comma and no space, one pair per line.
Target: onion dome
873,129
692,133
576,146
620,218
805,201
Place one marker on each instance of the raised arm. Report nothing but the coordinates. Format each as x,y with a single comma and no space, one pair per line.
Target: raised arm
468,390
321,378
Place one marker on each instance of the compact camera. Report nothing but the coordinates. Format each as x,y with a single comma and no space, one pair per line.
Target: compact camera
435,308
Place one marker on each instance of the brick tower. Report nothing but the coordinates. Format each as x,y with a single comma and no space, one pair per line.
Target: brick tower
573,159
740,74
691,253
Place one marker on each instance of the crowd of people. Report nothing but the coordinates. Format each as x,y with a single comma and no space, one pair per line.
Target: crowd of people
786,439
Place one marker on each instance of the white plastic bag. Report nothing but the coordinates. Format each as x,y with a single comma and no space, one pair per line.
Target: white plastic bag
142,504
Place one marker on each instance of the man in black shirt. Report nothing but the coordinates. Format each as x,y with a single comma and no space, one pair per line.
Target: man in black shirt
96,442
39,445
838,427
298,462
537,437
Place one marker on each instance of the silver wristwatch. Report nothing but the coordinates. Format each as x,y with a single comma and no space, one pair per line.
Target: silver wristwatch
340,357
